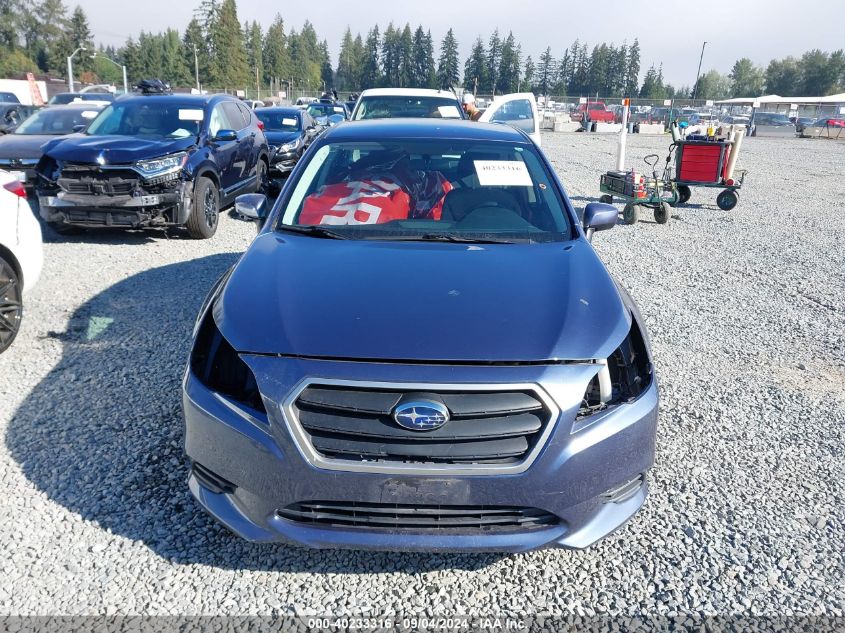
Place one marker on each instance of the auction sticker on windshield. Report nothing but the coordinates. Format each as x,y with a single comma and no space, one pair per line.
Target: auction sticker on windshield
288,121
190,115
449,112
89,114
502,173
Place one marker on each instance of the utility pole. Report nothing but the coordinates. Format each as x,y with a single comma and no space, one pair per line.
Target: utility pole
197,68
698,73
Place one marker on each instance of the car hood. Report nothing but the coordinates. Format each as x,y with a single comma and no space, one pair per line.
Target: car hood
24,145
114,149
280,138
421,301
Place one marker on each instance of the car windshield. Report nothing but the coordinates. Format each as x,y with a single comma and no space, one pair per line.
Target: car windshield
325,109
392,107
157,119
57,121
9,97
450,190
279,121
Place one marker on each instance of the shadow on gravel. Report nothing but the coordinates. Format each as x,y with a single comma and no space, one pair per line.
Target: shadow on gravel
102,433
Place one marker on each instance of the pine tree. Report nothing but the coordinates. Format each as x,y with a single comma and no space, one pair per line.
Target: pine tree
419,68
326,72
494,58
406,58
509,67
545,72
448,73
528,74
194,41
51,16
475,68
229,67
371,63
277,67
390,56
344,78
255,53
632,69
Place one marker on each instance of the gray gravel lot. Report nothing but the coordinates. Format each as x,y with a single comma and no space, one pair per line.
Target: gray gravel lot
746,311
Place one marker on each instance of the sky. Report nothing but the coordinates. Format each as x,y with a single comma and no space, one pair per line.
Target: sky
759,29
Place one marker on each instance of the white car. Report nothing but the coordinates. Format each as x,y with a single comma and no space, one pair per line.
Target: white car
21,255
517,109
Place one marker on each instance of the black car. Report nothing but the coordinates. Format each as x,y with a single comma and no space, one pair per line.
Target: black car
11,115
21,150
63,98
154,160
289,132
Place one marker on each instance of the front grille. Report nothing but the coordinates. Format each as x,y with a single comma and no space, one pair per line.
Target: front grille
436,518
88,179
355,424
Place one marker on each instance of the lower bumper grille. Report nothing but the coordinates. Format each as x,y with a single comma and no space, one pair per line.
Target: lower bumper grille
438,518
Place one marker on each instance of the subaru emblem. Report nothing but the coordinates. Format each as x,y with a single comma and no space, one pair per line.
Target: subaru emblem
424,415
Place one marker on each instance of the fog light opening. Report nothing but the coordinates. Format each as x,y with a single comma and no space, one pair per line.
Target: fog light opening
212,481
622,493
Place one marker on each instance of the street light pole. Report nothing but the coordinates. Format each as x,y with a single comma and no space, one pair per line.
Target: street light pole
70,68
698,73
197,68
121,66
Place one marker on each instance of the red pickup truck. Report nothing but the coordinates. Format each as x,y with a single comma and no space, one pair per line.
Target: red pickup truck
596,111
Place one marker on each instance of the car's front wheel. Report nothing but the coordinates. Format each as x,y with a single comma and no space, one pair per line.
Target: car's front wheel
11,304
263,183
205,212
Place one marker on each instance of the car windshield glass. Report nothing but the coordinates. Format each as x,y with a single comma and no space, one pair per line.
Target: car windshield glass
325,109
456,190
279,121
9,97
158,119
56,121
388,107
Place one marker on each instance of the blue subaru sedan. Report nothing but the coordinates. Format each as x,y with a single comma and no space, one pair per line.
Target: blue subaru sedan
421,351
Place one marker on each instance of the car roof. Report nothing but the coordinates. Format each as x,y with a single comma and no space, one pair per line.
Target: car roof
281,110
199,100
79,105
423,128
408,92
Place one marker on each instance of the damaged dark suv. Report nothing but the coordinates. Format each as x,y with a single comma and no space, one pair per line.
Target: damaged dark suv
154,161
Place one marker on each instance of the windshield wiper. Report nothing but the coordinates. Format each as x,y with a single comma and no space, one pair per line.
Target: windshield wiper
314,231
448,237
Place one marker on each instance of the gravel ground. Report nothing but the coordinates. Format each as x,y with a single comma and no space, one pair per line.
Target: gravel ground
746,311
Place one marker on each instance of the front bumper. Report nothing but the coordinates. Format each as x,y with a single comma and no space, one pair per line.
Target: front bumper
569,478
284,162
122,211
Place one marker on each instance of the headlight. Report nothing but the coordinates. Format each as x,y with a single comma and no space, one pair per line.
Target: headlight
289,147
621,378
163,165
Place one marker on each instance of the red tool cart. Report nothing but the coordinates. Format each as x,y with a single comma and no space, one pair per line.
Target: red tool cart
700,163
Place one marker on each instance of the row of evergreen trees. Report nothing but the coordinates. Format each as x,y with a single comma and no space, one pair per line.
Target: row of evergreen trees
37,35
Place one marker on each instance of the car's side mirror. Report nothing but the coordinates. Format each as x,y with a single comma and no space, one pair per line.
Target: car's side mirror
251,207
224,136
599,216
79,128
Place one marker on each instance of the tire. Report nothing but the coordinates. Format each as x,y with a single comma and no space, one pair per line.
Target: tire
684,194
11,304
606,199
726,200
661,213
262,181
205,210
630,213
